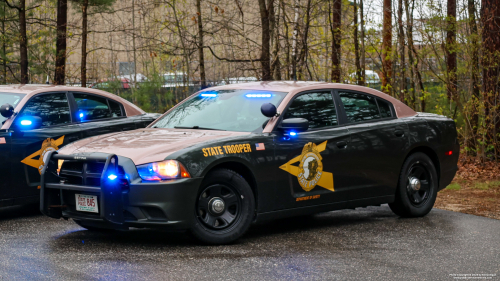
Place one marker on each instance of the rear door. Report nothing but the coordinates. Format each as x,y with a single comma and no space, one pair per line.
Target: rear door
378,143
98,115
29,146
311,163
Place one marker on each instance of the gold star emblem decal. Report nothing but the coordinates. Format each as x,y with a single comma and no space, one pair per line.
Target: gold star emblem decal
47,145
310,170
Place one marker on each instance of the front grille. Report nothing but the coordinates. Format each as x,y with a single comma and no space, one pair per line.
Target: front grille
84,173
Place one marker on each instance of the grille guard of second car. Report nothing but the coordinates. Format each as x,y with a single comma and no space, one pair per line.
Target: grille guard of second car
110,194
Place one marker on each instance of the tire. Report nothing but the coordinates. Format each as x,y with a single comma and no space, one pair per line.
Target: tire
416,198
92,228
223,223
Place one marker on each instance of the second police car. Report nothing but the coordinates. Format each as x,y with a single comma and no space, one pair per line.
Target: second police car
236,154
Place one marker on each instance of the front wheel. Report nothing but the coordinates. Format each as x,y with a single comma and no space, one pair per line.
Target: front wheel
224,208
417,187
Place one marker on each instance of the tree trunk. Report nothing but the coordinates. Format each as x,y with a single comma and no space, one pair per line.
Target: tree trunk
133,43
201,57
85,4
402,60
276,65
265,55
23,42
336,39
62,21
387,48
287,42
294,40
474,71
183,43
356,44
412,52
305,48
362,51
490,17
451,54
4,47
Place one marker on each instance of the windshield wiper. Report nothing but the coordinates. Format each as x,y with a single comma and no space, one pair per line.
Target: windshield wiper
196,127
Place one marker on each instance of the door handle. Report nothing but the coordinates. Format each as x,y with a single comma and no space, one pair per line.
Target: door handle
341,144
399,133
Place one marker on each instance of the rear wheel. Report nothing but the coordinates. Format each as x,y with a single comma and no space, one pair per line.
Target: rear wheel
224,208
417,188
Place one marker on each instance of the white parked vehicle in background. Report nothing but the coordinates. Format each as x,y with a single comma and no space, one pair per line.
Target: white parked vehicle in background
237,80
371,77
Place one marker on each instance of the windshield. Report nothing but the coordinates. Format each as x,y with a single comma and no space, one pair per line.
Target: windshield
228,110
12,99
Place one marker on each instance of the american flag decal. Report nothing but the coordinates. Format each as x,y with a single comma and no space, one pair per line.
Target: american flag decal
260,146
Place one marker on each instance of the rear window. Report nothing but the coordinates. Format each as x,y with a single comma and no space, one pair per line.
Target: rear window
90,107
359,107
385,108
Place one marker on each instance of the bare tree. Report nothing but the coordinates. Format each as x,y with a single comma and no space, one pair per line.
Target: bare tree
295,39
203,80
451,53
402,59
62,21
356,44
490,16
335,28
362,50
387,47
266,38
23,39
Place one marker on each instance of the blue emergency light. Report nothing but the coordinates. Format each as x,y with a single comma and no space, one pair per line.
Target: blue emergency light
209,94
26,122
258,95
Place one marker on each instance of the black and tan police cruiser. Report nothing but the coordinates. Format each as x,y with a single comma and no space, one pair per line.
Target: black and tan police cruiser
232,155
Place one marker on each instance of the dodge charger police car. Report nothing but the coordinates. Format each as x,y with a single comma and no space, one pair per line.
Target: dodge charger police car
36,119
232,155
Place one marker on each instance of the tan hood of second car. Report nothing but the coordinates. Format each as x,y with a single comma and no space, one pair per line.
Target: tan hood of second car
145,145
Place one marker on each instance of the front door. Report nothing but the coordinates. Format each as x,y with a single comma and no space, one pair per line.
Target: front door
29,146
311,163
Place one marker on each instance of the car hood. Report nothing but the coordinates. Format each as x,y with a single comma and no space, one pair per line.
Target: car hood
146,145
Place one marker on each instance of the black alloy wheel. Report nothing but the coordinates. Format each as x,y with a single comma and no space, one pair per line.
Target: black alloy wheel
418,185
224,208
417,188
218,206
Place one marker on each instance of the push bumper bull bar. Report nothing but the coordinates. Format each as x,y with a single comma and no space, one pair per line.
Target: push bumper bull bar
109,192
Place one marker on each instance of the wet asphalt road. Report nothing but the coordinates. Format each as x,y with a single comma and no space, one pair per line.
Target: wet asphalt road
361,244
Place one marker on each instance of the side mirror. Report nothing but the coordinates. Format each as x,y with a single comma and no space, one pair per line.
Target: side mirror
6,110
29,123
268,110
294,125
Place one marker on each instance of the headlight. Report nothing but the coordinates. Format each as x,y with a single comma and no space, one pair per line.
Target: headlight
164,170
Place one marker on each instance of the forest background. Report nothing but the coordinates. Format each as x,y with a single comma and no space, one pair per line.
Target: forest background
438,56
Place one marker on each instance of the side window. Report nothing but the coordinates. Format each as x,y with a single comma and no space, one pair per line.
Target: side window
90,107
116,110
318,108
359,107
385,108
52,108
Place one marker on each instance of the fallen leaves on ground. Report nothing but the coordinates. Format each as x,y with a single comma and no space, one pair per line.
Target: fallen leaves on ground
475,189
